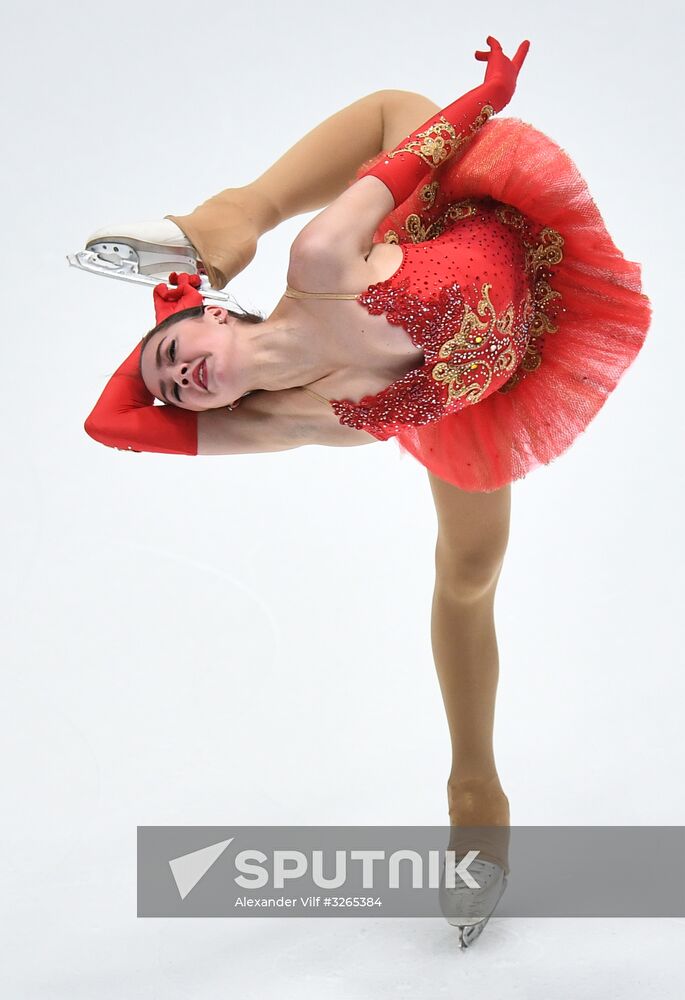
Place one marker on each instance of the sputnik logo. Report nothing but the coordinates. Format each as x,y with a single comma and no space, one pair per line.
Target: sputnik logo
188,869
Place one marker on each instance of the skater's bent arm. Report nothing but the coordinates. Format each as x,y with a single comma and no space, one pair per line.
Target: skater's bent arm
126,417
344,231
247,430
272,421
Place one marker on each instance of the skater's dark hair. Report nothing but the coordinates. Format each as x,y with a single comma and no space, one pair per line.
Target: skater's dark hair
196,311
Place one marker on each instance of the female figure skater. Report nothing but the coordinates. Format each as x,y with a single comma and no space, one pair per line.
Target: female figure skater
496,317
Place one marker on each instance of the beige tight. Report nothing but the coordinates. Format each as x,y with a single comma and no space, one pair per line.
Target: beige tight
473,531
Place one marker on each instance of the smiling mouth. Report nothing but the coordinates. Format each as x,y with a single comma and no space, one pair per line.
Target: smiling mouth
200,375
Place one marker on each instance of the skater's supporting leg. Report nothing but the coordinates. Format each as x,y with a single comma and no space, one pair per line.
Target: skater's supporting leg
473,531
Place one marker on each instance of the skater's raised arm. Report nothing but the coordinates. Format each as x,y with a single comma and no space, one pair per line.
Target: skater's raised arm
320,166
345,229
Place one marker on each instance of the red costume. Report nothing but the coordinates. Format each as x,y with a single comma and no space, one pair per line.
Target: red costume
527,313
525,310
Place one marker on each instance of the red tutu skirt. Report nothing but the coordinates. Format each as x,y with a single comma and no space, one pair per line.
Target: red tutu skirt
575,363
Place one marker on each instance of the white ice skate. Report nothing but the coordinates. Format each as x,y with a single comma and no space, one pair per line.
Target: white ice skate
145,253
469,907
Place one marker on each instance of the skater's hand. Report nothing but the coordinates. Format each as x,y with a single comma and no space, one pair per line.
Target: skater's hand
502,72
179,283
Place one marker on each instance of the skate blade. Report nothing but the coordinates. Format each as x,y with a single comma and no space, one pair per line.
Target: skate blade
471,928
471,932
127,270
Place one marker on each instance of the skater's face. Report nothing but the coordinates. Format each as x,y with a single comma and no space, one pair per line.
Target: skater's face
187,364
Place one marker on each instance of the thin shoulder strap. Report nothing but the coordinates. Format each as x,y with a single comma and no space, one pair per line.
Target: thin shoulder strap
294,293
312,393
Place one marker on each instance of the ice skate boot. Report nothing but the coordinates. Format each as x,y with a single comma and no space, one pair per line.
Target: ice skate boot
470,903
144,253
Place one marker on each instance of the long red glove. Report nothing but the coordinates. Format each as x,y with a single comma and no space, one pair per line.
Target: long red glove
125,416
447,131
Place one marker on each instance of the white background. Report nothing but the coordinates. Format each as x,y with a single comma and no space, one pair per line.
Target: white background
245,640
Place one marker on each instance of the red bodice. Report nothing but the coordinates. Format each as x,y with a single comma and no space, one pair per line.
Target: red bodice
466,298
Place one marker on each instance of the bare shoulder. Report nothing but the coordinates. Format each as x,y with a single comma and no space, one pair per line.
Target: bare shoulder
274,421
